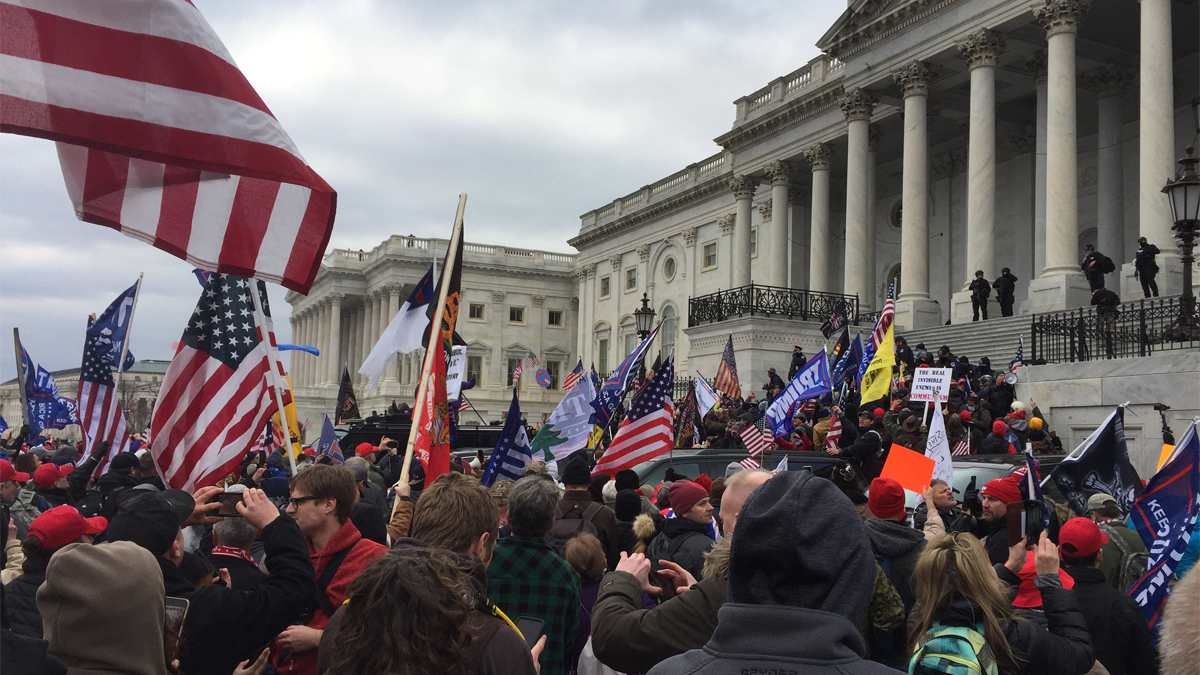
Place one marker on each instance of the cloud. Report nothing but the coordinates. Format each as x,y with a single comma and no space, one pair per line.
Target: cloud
539,110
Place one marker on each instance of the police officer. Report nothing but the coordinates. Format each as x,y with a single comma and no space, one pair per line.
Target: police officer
1091,267
979,295
1006,286
1145,268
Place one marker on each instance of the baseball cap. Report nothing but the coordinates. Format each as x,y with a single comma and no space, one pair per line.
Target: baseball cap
364,449
1100,501
1028,596
124,461
7,473
151,519
1080,537
62,525
45,475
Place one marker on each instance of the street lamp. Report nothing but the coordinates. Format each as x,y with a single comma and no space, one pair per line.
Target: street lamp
644,320
1183,193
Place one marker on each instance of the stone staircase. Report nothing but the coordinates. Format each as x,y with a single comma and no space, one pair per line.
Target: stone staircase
995,338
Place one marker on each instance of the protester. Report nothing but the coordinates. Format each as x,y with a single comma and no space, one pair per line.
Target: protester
23,505
992,527
685,538
629,638
527,578
952,517
962,616
1114,620
577,507
997,442
50,483
1122,542
586,557
626,510
232,539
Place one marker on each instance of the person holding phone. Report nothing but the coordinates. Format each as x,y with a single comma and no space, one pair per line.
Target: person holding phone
992,528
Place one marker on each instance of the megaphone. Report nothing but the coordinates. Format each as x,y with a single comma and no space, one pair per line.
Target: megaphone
1010,378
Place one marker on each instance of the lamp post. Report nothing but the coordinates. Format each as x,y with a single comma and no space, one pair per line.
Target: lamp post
1183,193
644,320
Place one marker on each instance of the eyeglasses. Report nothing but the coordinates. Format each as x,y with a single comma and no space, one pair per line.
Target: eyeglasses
297,501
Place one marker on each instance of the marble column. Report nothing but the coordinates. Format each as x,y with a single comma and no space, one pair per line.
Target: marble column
777,241
367,343
914,309
818,156
1110,84
743,188
322,370
335,337
306,364
391,373
981,50
296,367
1061,285
868,301
857,106
1037,67
580,276
727,224
1156,145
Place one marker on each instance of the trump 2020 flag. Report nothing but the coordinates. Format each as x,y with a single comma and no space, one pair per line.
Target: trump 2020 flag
811,380
512,453
569,426
1165,516
47,409
614,389
110,331
405,333
328,444
1102,466
706,398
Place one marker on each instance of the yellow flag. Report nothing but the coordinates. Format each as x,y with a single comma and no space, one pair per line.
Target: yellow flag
878,379
1164,455
289,409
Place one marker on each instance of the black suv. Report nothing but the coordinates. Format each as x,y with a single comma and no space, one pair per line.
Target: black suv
712,463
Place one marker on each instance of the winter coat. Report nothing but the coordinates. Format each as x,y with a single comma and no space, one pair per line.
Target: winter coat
994,445
867,451
904,354
25,506
1118,628
1178,646
901,545
1143,260
995,539
683,543
1005,285
819,431
954,519
242,573
604,520
797,363
1110,565
1106,301
980,290
645,528
20,602
632,640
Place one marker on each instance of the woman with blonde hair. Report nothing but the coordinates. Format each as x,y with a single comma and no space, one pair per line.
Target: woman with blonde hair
963,620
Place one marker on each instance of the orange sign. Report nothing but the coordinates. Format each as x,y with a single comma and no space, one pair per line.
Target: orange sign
910,469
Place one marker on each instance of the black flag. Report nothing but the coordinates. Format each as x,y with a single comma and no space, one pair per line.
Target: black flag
347,405
836,320
1102,466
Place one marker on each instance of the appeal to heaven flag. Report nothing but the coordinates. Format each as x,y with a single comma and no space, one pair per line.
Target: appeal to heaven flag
878,376
568,427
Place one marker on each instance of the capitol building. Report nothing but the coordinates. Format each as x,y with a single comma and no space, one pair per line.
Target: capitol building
929,139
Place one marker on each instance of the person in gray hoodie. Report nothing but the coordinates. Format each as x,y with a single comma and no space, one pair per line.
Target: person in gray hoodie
895,545
800,579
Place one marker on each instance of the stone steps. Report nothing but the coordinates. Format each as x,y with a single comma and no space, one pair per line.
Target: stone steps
994,338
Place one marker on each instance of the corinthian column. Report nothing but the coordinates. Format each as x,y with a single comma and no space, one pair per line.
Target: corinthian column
868,301
743,191
856,106
914,309
777,241
1061,285
335,337
1156,142
818,156
391,375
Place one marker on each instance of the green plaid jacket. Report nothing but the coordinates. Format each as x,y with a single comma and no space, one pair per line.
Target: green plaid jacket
528,578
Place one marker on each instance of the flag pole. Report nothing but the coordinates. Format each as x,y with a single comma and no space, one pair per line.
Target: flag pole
275,367
21,377
435,329
125,342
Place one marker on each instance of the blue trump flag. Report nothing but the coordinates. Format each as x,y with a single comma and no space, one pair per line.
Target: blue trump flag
3,425
811,380
111,330
613,390
328,443
1165,516
46,408
512,453
849,360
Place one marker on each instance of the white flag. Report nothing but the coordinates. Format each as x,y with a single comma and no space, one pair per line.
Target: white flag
782,465
569,426
406,332
937,448
706,398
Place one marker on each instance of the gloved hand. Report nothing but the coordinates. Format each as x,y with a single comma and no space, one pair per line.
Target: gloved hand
971,502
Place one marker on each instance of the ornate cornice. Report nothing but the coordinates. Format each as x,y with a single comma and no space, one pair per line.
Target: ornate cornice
914,78
779,172
764,211
712,187
875,21
743,187
818,156
643,252
857,104
787,116
1107,80
727,223
1061,16
689,236
981,48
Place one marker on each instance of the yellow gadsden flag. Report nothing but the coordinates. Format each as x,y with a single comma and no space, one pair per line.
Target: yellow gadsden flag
289,408
878,378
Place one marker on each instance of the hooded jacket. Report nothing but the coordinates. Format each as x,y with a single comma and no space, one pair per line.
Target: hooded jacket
1115,621
683,543
20,599
901,545
801,576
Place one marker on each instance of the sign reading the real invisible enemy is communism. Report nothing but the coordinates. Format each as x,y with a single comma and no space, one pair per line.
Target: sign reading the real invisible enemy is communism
930,385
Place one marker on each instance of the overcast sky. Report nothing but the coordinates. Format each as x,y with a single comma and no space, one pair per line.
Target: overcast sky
539,110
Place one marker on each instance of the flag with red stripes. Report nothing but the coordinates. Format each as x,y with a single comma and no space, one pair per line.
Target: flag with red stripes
647,430
216,396
835,432
726,379
100,413
750,463
963,447
573,376
755,440
886,317
161,137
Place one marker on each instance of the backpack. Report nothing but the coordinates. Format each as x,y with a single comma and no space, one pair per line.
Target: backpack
1133,563
953,650
890,647
571,524
1105,264
96,503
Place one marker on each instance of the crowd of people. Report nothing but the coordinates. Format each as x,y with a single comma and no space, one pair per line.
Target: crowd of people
343,569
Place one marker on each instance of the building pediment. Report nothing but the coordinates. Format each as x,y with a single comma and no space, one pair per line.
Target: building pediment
867,21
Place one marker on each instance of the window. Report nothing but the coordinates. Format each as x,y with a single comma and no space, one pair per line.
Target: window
667,333
516,315
710,255
475,311
552,369
631,279
669,269
631,343
605,287
475,368
602,347
512,368
753,242
555,317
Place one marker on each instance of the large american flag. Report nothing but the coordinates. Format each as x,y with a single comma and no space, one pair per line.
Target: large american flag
573,376
215,398
727,376
885,318
161,137
647,430
755,440
100,413
834,434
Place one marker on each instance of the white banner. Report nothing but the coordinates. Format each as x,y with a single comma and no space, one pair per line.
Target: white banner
937,448
456,372
930,385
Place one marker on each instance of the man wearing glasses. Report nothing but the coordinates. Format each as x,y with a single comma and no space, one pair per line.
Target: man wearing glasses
321,499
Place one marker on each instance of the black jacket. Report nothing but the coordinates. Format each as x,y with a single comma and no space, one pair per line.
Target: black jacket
1106,301
1115,621
993,445
867,451
900,545
980,290
226,627
954,518
242,573
1143,260
995,539
683,543
20,602
1005,285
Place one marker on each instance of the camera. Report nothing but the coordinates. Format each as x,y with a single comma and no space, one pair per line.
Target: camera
1161,407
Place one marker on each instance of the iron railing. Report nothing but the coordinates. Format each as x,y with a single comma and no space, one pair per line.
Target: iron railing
869,318
756,300
1138,328
682,386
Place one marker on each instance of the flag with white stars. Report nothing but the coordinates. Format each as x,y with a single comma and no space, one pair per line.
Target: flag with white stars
647,431
100,413
216,396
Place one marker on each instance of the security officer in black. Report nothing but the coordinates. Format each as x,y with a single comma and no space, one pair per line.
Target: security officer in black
980,290
1006,286
1145,268
1091,267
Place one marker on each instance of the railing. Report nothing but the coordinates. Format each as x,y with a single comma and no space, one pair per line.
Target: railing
792,303
1136,328
682,386
869,318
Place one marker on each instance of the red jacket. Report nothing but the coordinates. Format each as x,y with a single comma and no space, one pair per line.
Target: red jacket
362,553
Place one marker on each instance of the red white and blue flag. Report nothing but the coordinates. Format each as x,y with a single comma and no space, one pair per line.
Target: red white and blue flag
647,431
573,376
100,415
726,379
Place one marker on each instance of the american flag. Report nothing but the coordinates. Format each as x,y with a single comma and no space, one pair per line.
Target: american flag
963,447
517,372
726,379
647,430
885,319
1018,359
573,376
216,396
531,362
161,137
750,463
755,440
835,432
262,443
100,413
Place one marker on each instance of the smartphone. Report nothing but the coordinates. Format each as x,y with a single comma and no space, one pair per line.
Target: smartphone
229,502
1024,520
531,629
173,617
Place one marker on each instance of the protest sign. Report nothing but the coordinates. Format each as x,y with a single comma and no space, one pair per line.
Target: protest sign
910,469
931,385
456,373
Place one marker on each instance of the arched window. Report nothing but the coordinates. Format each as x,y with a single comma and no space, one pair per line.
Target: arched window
667,334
